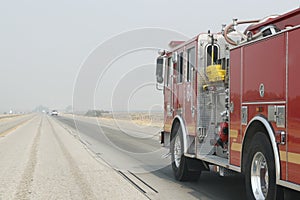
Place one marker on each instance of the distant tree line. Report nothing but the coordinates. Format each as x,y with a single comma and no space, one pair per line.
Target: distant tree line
95,113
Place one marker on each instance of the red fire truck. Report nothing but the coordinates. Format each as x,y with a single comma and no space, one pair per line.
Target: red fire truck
232,103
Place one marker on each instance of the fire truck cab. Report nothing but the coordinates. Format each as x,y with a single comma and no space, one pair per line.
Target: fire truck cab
233,105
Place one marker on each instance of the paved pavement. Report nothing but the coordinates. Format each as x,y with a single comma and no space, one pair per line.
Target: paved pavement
142,159
8,123
135,151
41,160
44,157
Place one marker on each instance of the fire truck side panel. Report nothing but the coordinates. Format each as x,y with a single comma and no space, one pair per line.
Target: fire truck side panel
264,81
235,134
264,65
293,110
263,84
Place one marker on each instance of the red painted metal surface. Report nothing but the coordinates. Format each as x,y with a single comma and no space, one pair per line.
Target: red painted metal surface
235,100
181,96
190,93
168,94
264,63
293,118
275,63
252,65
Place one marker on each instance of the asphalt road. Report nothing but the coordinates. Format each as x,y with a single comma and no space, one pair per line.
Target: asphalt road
143,159
8,123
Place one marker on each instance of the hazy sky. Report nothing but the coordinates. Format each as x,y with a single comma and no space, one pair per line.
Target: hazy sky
44,44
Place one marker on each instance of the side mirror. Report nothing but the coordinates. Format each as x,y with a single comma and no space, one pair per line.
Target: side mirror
159,69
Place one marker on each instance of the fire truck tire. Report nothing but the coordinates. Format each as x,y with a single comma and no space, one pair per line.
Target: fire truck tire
260,177
183,167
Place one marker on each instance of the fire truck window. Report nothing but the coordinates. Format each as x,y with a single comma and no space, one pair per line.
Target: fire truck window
191,63
168,70
179,68
215,53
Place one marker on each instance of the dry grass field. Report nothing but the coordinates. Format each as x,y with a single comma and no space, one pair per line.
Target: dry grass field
155,119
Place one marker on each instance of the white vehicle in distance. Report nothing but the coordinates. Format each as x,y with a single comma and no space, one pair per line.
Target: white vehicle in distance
54,112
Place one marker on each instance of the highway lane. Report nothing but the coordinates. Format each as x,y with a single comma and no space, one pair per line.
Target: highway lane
120,149
143,158
7,124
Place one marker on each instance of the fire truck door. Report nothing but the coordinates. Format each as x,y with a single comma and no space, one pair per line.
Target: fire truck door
168,95
178,88
189,85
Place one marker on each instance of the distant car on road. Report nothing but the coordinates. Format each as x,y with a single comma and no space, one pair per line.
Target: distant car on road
54,113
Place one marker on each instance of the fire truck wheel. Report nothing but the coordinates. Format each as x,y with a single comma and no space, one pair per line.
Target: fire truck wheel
260,174
180,163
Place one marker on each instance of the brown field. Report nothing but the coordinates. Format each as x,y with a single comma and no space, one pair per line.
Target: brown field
139,118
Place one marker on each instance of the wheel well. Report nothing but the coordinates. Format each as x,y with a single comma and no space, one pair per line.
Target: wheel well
255,127
175,126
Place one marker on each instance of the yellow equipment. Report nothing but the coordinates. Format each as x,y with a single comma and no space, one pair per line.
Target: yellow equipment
215,73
